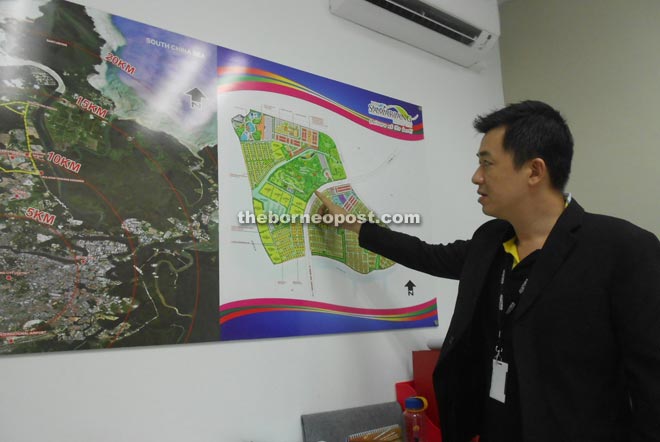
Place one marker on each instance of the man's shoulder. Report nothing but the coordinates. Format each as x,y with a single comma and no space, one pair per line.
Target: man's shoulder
614,227
617,235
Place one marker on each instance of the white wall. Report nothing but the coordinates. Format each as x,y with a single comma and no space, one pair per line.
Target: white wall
597,61
257,390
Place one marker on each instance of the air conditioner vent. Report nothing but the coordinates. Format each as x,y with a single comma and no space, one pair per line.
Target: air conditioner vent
432,18
462,31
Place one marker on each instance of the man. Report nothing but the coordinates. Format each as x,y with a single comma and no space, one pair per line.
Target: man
555,334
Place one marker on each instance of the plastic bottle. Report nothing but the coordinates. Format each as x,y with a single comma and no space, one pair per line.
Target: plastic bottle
414,419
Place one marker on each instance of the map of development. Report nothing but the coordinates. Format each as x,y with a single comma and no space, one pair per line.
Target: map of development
287,133
286,163
108,182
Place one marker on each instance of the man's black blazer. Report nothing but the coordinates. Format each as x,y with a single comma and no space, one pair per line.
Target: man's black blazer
586,332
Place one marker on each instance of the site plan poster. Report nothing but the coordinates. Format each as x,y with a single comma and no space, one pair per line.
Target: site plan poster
117,226
286,133
108,182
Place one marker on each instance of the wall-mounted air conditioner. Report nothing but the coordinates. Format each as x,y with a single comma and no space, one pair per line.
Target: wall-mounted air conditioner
461,31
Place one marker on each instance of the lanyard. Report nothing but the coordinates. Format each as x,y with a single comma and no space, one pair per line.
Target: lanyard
501,313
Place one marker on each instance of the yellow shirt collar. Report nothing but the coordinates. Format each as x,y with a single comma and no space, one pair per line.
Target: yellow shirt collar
510,246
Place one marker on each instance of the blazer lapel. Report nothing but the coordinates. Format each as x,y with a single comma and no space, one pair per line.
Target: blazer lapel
472,284
557,247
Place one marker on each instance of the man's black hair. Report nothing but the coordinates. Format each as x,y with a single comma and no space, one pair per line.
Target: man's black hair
534,130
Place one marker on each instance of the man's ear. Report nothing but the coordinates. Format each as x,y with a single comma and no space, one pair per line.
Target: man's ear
538,170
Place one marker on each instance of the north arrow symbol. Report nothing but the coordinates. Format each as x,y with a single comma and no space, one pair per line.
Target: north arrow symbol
410,285
196,97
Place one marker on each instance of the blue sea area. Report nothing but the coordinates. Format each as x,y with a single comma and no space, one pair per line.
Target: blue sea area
167,66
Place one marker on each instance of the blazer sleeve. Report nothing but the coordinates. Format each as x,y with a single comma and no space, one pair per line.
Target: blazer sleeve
636,310
445,261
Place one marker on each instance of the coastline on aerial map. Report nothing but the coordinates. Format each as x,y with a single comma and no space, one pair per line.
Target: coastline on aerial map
108,181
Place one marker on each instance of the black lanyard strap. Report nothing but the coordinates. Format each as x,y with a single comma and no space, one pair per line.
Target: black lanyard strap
501,313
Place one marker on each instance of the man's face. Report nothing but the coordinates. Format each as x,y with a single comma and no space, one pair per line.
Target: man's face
501,187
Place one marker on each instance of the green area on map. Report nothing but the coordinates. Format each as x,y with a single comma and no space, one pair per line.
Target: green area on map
286,162
108,229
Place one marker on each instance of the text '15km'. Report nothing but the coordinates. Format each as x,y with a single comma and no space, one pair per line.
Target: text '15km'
87,105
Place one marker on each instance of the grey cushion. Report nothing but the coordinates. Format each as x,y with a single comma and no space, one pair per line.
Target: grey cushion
335,426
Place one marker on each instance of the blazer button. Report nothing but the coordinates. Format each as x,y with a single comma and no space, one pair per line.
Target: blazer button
450,340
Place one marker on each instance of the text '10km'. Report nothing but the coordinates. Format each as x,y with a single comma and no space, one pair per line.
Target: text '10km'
64,162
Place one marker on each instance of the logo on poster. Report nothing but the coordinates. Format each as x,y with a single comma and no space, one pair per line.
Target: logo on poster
393,112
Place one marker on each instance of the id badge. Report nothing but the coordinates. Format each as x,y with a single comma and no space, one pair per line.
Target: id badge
498,380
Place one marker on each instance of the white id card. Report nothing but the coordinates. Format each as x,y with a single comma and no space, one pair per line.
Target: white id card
498,380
